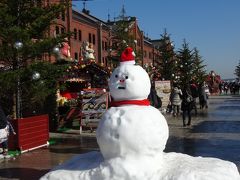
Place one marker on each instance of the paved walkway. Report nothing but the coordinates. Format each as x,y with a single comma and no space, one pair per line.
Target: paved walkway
214,132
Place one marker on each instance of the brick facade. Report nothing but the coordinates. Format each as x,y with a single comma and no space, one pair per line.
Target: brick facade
86,27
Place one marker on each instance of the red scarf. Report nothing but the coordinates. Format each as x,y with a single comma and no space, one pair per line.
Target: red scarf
144,102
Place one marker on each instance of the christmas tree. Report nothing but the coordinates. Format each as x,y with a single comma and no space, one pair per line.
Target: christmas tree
24,29
185,65
198,68
167,65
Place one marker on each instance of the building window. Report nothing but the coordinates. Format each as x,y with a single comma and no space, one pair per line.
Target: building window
145,54
94,41
75,33
57,30
103,45
39,3
62,30
79,35
63,15
76,55
89,38
138,42
106,46
150,55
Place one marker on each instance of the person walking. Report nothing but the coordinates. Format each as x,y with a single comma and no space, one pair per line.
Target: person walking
203,96
194,91
175,99
5,129
154,99
186,105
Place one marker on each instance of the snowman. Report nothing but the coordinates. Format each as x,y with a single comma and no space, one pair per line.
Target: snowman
132,136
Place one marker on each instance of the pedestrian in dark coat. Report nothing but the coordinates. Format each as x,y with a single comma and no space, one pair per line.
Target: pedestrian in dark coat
203,96
3,118
187,105
154,99
195,94
5,128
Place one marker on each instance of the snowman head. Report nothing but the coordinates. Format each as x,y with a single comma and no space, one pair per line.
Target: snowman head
129,81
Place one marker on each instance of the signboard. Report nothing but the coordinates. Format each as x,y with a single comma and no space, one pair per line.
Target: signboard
163,89
94,104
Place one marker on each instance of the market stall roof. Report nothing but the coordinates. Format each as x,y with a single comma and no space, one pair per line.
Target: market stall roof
84,72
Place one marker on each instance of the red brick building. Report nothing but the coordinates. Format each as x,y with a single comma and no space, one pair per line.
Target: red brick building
87,28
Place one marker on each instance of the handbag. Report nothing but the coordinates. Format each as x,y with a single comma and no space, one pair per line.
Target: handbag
169,108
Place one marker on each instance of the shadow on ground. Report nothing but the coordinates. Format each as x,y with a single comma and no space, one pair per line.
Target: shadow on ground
82,145
21,173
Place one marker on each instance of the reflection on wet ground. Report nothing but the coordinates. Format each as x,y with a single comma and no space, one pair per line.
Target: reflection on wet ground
217,127
215,132
220,148
78,146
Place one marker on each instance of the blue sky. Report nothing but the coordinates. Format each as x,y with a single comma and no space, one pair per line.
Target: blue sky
212,26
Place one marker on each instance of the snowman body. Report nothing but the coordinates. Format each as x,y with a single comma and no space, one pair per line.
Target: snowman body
132,131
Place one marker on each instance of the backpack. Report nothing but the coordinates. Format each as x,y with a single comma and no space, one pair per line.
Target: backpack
194,91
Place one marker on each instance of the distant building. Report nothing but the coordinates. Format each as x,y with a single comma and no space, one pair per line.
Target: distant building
89,29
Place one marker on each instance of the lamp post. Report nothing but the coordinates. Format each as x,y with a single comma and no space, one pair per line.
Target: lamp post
135,45
18,45
135,49
109,59
109,48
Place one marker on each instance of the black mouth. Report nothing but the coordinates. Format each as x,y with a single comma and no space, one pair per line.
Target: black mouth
121,87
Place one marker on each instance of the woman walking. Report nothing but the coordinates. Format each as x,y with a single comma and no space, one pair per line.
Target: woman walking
187,106
175,99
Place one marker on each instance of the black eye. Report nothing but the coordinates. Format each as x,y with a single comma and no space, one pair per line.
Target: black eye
126,77
116,76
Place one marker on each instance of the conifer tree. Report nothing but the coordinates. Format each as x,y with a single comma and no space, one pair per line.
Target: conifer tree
185,56
198,69
123,37
237,70
167,65
28,22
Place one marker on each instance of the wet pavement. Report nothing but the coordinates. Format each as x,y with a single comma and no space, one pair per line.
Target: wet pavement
215,132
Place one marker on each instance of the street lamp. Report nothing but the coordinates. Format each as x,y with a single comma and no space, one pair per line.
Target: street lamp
56,51
18,45
36,76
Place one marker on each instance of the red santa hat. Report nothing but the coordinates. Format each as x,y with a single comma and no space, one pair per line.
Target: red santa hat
127,56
